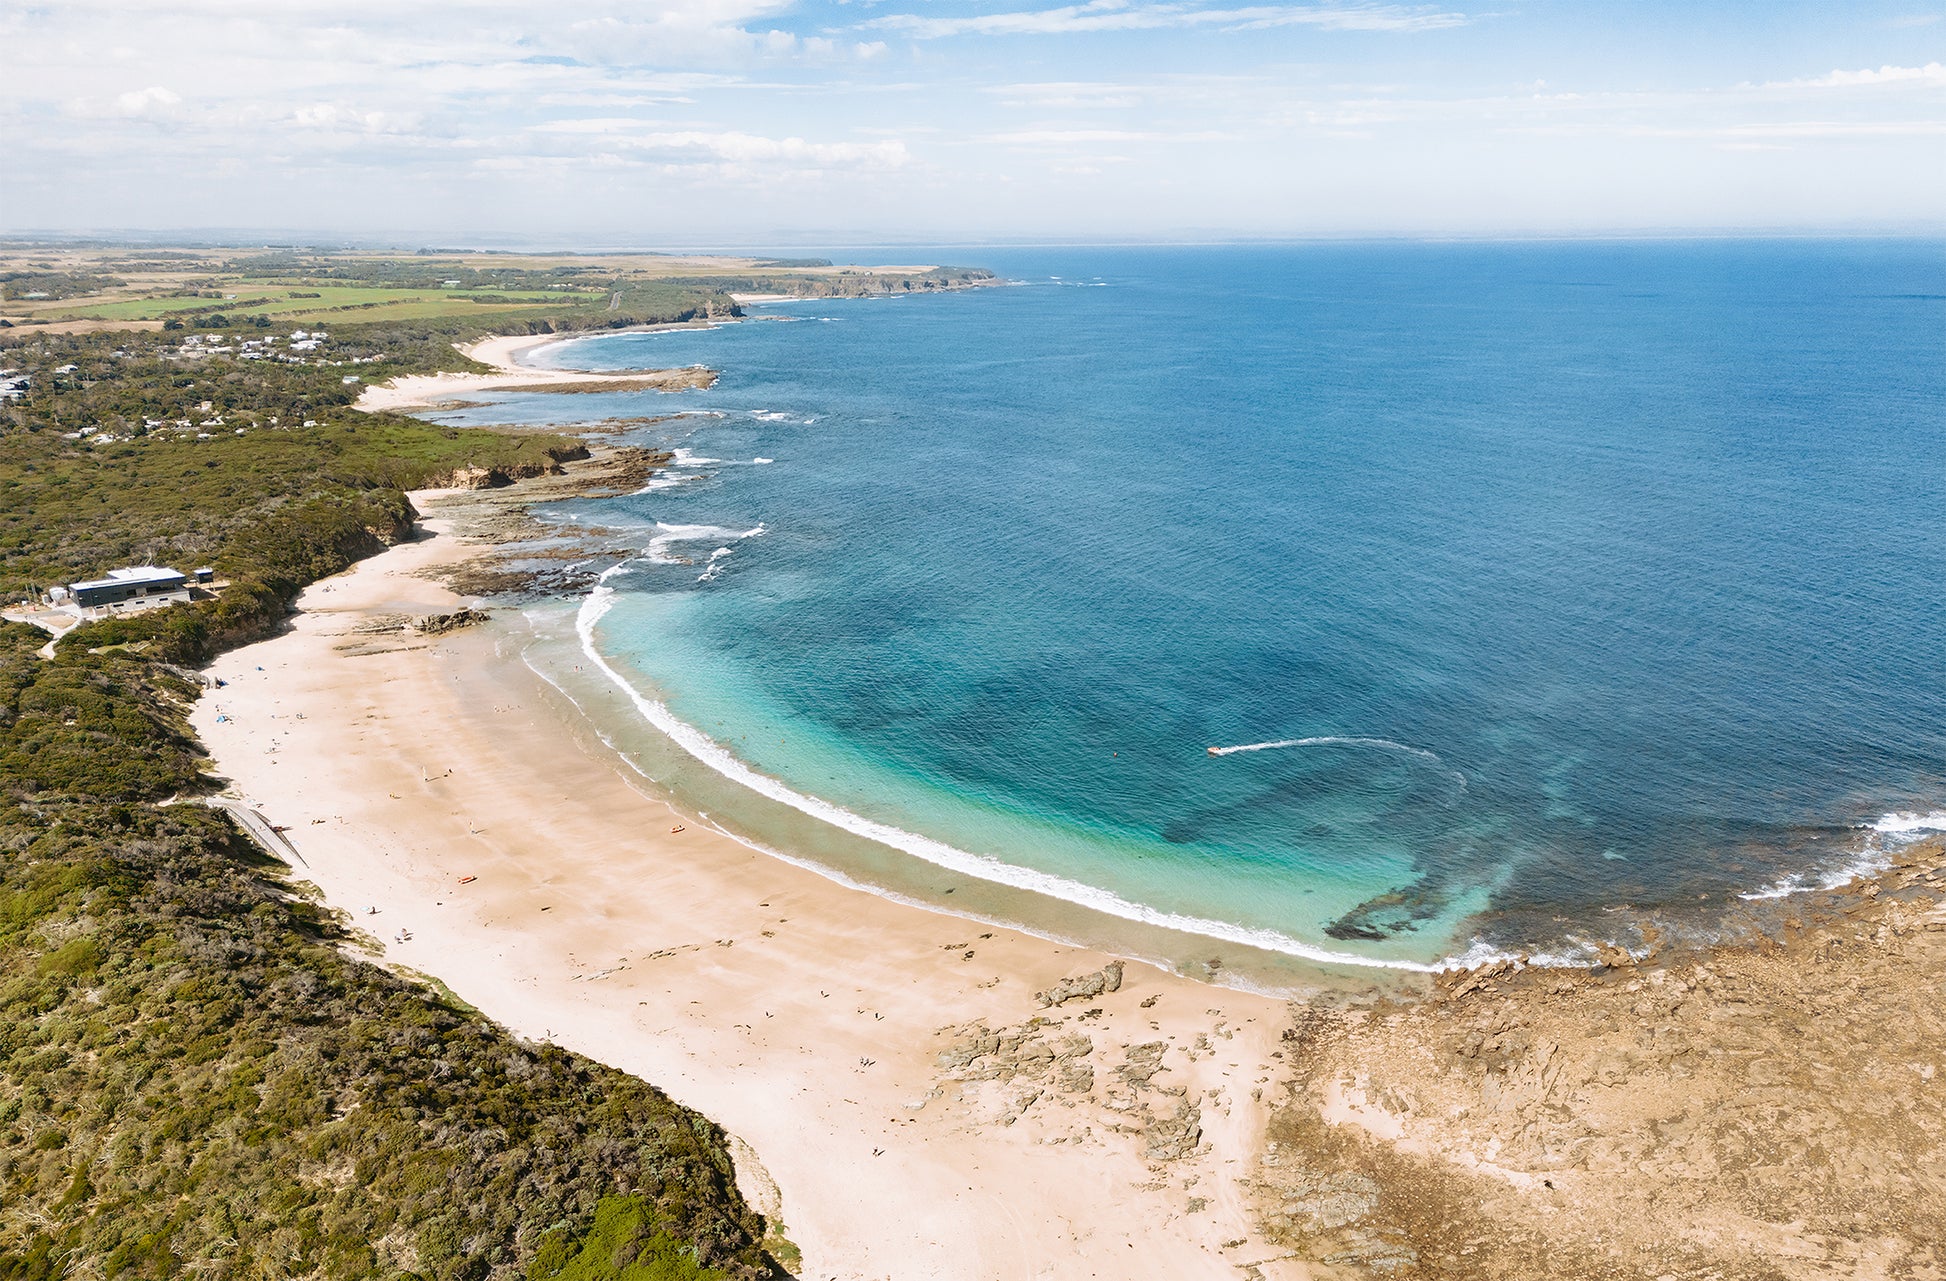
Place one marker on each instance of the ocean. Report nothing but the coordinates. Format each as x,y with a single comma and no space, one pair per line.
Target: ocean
1526,593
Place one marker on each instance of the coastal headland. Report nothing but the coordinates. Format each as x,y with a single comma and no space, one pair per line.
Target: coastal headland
916,1094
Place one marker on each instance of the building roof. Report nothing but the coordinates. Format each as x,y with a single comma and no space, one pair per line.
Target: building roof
133,574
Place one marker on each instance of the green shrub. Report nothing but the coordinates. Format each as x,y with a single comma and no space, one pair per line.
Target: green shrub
197,1077
622,1244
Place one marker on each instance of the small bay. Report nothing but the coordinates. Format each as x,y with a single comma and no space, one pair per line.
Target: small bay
1539,580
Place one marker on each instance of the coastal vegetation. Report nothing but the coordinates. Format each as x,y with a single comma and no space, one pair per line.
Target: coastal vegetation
268,498
197,1069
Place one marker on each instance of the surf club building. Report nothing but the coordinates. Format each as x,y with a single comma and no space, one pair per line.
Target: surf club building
137,587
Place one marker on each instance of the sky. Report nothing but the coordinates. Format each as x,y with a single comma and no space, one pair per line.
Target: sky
685,123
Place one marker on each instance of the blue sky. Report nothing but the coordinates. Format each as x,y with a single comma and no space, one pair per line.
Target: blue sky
703,122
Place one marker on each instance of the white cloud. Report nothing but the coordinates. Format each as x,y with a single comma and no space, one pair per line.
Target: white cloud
1932,74
1119,15
153,100
645,114
1068,137
633,141
793,153
1808,129
337,116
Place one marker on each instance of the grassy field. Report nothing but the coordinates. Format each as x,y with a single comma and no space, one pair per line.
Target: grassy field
323,303
76,289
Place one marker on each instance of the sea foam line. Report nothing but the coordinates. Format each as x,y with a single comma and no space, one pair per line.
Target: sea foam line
986,868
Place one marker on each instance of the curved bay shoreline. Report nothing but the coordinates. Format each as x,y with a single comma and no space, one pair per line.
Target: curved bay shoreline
1764,1108
809,1018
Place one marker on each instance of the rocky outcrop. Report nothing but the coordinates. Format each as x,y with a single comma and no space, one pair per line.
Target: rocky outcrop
1173,1137
501,475
1762,1107
440,624
1082,986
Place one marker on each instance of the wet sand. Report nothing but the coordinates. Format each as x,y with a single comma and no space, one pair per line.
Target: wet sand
909,1108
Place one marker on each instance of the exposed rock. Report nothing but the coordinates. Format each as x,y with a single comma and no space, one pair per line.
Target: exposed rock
1762,1108
986,1055
1144,1061
1314,1202
1173,1137
1106,979
440,624
1615,958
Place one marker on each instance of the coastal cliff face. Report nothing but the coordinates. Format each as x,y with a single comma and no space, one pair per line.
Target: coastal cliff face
1769,1110
498,475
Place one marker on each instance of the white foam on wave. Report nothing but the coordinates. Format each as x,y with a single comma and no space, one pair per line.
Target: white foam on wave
770,415
1882,836
1911,825
666,482
759,462
685,458
715,564
1870,862
1580,956
667,536
711,753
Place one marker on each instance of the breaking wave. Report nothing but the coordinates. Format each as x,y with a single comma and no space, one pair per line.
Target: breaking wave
1882,837
667,536
706,750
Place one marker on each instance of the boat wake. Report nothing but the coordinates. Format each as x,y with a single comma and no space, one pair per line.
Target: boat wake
1342,740
1327,740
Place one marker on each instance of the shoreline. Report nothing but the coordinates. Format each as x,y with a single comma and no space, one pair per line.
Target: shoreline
1214,951
901,1101
807,1018
1296,965
425,391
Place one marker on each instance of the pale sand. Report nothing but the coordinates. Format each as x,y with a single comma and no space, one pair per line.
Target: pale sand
418,391
804,1016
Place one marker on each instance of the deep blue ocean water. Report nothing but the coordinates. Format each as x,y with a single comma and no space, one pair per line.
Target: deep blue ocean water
1566,577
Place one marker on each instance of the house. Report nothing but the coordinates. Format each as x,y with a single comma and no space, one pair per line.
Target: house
123,590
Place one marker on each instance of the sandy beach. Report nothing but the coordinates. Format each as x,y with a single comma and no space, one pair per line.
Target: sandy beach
419,391
904,1102
907,1108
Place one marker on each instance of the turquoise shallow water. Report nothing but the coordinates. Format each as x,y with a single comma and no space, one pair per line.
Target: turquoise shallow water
1554,578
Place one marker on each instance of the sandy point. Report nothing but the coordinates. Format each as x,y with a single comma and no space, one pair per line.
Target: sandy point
420,391
904,1104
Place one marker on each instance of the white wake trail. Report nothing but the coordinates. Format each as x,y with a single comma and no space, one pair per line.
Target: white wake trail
1327,740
